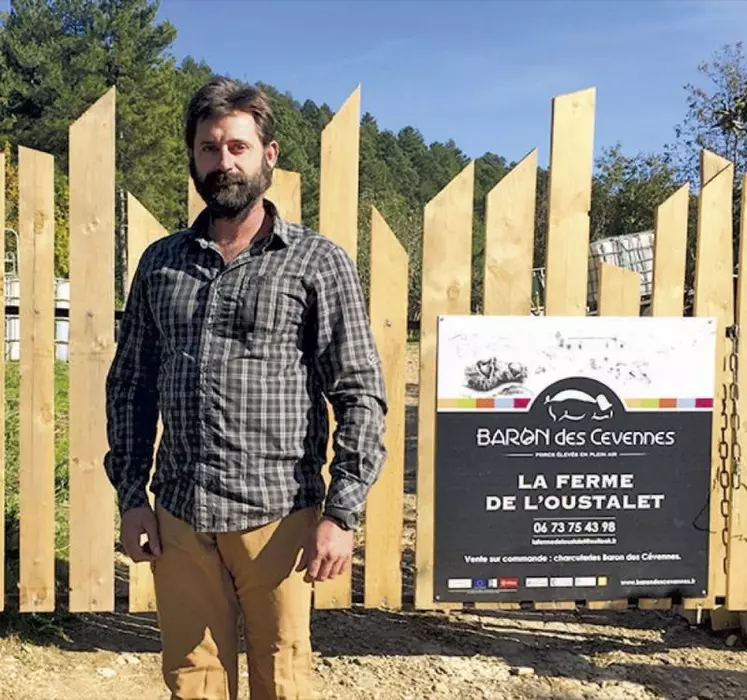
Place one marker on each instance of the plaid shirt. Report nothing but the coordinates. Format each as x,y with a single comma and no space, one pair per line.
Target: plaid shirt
238,359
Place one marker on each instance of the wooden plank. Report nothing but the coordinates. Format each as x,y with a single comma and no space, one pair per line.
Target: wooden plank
509,250
498,606
384,511
509,240
571,163
619,295
142,230
670,250
195,203
2,383
714,298
619,291
446,285
621,604
736,579
711,164
338,176
285,194
338,221
91,349
36,440
555,605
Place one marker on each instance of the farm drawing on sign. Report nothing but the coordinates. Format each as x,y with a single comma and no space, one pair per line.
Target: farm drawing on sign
494,356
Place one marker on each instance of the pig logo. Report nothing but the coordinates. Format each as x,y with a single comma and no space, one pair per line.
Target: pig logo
577,405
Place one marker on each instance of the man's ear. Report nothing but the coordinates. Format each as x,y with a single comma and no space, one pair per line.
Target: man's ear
272,151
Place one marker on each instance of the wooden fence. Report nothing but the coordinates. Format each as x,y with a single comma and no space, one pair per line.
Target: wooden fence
446,275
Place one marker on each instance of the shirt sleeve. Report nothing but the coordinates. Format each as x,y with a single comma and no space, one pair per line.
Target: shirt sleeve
132,399
350,368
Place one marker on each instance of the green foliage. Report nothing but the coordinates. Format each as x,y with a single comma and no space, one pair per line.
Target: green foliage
716,117
12,457
57,57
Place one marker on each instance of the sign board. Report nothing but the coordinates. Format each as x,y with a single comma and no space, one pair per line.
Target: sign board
573,457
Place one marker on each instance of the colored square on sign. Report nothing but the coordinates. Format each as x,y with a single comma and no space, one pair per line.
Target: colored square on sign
686,403
465,403
650,403
703,403
634,403
484,403
504,403
508,583
521,403
448,403
602,581
668,403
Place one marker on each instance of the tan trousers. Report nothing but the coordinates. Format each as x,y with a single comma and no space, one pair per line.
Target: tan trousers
202,581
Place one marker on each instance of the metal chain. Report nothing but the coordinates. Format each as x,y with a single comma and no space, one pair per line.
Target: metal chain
730,449
735,418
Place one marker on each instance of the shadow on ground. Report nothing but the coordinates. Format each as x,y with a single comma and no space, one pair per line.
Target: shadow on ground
557,644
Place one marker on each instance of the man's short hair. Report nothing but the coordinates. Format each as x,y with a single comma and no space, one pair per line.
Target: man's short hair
221,96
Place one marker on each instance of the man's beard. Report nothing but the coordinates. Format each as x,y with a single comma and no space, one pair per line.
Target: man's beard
231,195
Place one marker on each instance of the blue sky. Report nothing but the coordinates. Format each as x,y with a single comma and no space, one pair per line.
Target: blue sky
482,73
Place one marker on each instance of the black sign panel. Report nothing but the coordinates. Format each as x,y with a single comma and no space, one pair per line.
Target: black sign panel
572,496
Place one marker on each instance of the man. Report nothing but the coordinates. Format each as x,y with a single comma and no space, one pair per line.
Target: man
236,330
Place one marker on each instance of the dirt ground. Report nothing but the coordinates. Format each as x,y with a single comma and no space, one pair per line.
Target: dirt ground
368,655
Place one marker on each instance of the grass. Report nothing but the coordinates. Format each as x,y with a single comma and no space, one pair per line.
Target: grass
12,462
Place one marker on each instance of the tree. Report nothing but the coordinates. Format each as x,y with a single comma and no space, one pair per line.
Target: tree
626,190
716,116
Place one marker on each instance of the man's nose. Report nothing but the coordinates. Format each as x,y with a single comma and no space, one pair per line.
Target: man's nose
226,159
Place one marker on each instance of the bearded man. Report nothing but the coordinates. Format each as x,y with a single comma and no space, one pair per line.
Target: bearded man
236,332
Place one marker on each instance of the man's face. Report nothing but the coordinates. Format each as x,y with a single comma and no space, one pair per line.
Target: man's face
230,167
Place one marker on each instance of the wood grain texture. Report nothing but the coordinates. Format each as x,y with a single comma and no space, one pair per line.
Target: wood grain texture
711,164
619,291
714,299
670,250
91,349
736,580
37,448
571,163
446,285
338,176
195,203
509,240
384,511
338,221
285,193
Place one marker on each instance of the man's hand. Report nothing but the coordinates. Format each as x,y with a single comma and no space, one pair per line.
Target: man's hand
328,552
136,522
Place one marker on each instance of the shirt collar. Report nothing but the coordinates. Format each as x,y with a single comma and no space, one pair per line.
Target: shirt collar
280,228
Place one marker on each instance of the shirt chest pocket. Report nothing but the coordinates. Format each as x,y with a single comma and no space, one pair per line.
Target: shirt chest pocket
271,313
